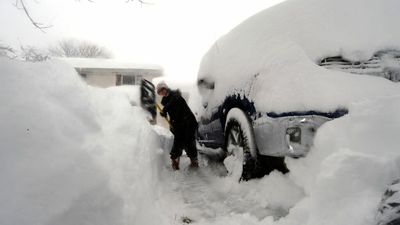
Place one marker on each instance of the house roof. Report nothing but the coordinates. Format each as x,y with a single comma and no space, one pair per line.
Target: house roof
111,64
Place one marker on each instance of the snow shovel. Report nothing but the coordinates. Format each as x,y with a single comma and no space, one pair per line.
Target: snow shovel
159,108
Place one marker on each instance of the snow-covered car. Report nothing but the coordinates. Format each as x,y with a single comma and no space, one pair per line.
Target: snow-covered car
271,82
142,95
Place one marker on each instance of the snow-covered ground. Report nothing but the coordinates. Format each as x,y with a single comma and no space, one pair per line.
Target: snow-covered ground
73,154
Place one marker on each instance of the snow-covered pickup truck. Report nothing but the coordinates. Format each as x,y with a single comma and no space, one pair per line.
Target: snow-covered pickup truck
271,82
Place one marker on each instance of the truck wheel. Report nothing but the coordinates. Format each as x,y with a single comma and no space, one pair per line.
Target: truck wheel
240,146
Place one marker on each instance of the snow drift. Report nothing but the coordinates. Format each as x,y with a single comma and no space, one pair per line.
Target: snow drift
71,154
352,163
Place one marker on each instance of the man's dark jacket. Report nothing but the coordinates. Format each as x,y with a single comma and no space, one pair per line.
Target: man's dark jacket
184,125
179,112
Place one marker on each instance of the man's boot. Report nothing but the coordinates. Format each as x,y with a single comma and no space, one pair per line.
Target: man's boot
194,163
175,164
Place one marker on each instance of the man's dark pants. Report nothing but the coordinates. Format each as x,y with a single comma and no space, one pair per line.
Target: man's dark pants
184,138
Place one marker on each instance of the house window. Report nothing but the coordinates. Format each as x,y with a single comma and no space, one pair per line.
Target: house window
83,75
128,79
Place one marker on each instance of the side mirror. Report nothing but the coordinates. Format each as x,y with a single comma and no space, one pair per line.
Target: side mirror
205,84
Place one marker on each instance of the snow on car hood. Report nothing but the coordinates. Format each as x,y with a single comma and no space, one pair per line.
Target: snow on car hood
273,56
130,92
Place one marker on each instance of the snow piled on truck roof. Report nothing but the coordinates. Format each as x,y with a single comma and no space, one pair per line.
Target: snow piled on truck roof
275,53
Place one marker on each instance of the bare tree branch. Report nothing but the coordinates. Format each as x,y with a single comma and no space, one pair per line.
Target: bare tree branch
76,48
27,53
140,1
7,51
38,25
31,54
20,4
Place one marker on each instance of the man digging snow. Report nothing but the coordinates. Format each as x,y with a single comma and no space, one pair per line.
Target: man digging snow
183,125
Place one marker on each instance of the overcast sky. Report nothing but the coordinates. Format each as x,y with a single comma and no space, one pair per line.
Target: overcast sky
172,33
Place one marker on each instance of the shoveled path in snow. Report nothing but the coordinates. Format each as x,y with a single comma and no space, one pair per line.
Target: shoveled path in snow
209,192
211,195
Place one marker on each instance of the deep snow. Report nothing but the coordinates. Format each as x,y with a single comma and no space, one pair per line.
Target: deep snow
73,154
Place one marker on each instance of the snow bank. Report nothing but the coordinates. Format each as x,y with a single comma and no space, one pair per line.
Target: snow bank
45,172
131,151
353,161
70,154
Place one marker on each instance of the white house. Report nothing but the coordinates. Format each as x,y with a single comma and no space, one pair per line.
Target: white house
112,72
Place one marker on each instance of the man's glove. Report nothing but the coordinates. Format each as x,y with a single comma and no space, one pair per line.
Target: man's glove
163,114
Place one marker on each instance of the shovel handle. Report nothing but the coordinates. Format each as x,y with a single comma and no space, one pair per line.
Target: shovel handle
160,109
